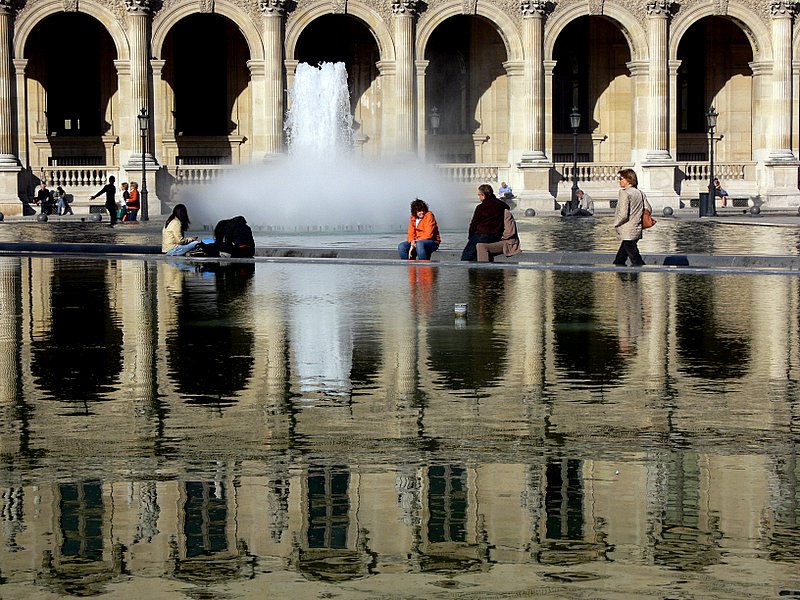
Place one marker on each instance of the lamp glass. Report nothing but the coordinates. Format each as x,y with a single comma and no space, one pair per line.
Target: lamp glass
711,118
143,120
575,118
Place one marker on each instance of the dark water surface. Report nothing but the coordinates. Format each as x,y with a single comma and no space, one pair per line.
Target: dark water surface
286,430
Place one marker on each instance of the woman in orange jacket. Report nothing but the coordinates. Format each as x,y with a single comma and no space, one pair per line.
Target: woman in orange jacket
423,233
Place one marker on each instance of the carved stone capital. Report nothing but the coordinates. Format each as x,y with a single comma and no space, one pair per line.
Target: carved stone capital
137,6
534,8
272,7
659,8
781,8
405,7
6,6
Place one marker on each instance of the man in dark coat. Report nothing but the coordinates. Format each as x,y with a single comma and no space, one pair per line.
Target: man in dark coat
110,190
487,222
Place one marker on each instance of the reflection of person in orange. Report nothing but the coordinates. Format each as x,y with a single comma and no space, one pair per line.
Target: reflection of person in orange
421,283
423,233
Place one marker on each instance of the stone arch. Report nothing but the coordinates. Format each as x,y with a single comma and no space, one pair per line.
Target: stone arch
505,26
250,33
363,13
749,22
629,26
30,19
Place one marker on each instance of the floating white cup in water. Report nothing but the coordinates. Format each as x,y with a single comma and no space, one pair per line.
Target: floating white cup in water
461,309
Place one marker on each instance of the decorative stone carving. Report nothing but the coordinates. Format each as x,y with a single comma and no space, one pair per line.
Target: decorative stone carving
659,8
596,7
272,7
720,7
533,8
6,6
70,5
339,7
206,6
133,6
469,7
782,8
404,7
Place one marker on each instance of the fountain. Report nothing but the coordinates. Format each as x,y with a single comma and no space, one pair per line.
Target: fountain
321,185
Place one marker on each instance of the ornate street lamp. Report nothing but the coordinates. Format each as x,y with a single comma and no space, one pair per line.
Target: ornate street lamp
435,120
711,123
144,125
575,121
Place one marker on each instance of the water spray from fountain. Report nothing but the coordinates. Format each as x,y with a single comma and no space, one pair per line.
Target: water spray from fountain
321,185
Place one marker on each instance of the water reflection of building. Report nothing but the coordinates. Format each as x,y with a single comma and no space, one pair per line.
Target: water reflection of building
430,467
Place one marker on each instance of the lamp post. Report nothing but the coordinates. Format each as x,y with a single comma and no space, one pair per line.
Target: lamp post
144,125
711,123
575,121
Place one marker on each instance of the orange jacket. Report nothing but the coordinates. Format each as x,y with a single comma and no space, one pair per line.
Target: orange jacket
426,230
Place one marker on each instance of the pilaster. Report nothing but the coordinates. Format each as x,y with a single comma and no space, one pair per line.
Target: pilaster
658,12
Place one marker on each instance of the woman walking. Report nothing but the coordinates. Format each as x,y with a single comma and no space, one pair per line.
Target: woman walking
628,218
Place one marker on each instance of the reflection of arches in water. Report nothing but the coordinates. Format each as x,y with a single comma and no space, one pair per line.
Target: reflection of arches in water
78,359
583,349
211,360
472,357
707,349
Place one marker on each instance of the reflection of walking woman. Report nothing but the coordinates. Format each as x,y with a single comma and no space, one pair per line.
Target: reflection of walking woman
173,242
628,218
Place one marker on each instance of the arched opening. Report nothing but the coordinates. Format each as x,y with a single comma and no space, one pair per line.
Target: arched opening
591,74
71,88
206,70
468,86
714,70
341,38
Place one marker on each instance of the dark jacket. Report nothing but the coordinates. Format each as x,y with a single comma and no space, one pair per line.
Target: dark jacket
488,217
234,237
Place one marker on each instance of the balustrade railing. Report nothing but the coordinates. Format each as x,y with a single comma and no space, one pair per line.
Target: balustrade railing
595,172
198,175
725,171
75,177
470,173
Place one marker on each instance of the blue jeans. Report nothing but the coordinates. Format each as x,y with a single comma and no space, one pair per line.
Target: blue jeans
182,249
470,251
424,249
132,214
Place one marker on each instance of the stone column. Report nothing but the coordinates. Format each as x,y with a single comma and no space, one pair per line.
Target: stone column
404,13
7,157
9,164
779,186
781,143
138,35
534,165
657,139
272,25
657,176
533,12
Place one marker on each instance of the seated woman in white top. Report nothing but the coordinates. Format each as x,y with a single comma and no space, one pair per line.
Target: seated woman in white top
173,240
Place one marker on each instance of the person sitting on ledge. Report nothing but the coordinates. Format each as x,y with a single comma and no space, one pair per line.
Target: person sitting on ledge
585,206
173,240
505,191
423,233
508,245
233,238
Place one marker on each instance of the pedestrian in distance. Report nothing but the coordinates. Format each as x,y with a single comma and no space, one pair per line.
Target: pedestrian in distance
110,191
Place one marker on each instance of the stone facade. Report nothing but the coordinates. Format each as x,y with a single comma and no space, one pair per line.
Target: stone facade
502,77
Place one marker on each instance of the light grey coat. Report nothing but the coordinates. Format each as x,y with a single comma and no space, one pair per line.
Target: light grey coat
628,214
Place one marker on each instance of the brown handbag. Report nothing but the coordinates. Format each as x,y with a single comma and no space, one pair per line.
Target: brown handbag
647,220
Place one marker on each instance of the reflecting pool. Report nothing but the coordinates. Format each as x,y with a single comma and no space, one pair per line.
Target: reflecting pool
294,430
